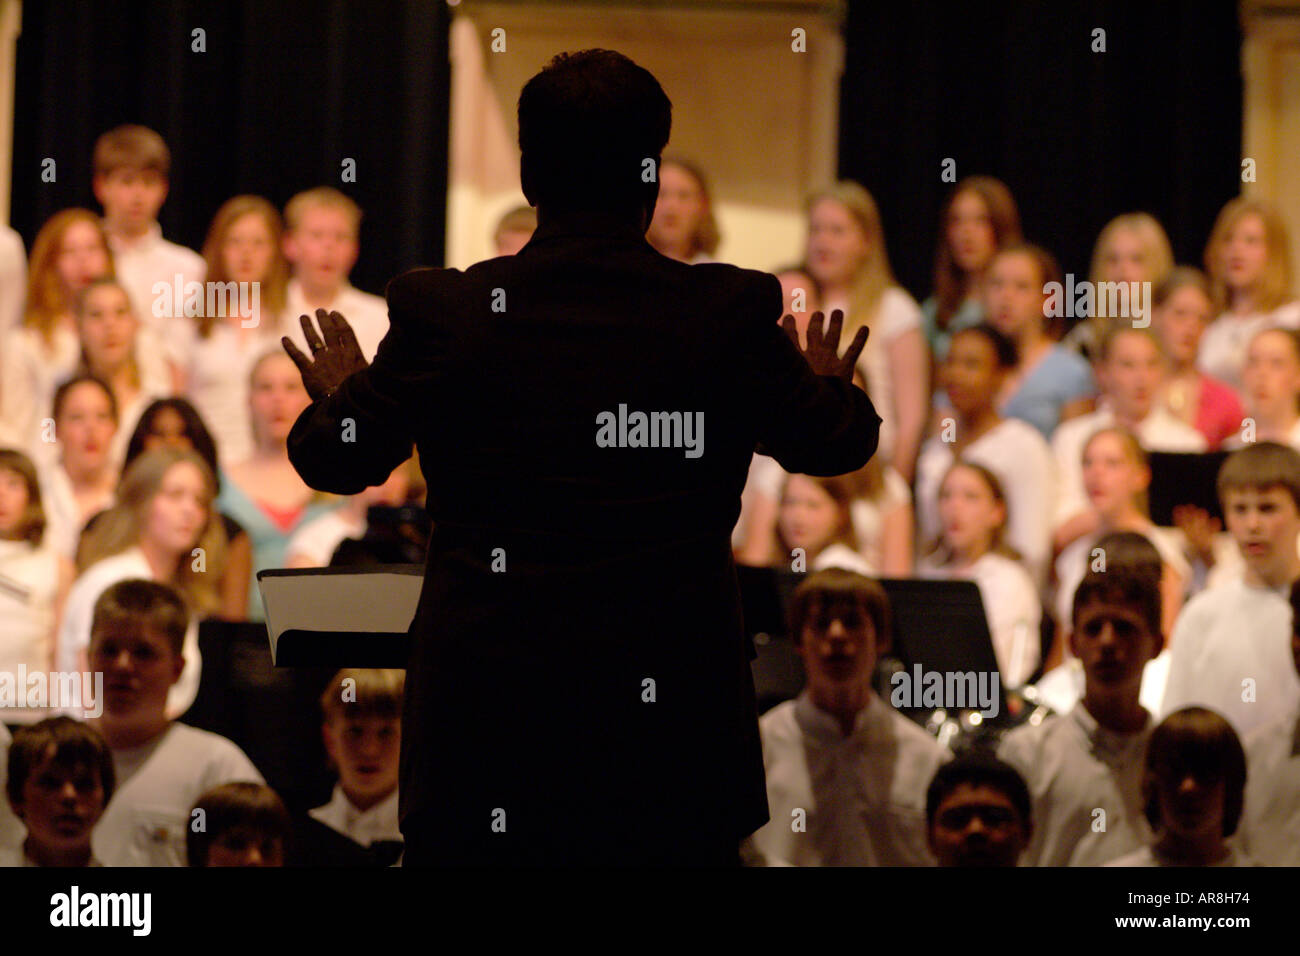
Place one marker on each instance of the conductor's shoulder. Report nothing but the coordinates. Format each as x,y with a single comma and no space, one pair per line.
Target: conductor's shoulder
752,295
420,291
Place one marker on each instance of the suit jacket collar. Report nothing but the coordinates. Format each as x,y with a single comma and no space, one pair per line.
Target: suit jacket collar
595,224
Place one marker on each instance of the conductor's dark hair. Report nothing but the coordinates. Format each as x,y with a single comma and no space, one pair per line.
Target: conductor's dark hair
587,124
979,770
195,430
1198,741
838,587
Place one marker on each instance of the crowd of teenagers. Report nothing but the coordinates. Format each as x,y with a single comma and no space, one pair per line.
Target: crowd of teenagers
146,402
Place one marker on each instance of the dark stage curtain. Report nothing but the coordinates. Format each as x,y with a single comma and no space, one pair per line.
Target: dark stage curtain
284,92
1013,89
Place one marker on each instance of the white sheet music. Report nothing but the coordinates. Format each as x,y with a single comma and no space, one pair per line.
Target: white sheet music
369,602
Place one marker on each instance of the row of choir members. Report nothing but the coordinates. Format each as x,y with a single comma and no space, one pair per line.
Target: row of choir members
120,788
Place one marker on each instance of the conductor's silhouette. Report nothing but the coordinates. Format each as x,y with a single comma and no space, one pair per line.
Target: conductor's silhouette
579,688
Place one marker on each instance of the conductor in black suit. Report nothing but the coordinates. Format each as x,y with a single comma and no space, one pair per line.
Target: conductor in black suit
585,411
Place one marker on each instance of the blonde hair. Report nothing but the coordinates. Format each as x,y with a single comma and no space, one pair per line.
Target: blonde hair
1157,256
322,197
874,276
83,363
1274,287
31,523
274,283
121,526
46,300
376,693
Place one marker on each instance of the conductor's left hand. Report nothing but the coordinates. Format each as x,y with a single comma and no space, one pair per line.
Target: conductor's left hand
335,353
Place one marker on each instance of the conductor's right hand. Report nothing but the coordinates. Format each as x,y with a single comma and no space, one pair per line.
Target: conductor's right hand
822,351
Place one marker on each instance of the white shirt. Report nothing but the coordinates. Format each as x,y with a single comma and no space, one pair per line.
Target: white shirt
1018,455
842,556
1075,768
862,796
1061,688
1270,825
1012,607
360,826
1146,857
317,539
217,382
896,313
63,520
30,372
868,516
366,313
152,259
157,787
1159,431
27,618
1222,352
78,612
1073,564
13,279
1230,643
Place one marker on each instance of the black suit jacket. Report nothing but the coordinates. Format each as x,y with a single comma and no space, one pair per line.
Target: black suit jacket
579,687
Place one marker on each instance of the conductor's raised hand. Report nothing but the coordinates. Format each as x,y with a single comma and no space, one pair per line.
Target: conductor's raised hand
335,353
822,351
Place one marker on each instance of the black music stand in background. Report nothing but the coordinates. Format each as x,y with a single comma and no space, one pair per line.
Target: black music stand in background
1184,479
940,625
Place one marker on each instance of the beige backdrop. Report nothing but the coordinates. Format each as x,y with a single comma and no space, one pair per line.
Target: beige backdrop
757,116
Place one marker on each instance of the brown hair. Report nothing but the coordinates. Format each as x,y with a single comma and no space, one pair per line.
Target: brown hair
951,284
706,237
1113,333
1130,578
142,606
834,586
46,300
82,378
1260,466
326,197
273,285
31,523
70,744
374,693
939,548
1275,283
131,147
1048,271
1179,278
230,807
1199,741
